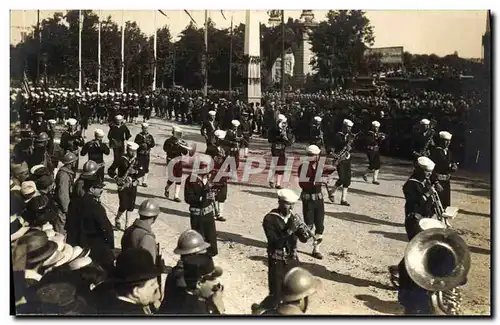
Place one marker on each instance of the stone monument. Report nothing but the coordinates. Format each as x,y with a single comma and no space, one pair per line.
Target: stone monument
252,57
303,55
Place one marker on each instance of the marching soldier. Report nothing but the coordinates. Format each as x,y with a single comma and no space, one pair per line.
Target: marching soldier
298,287
219,155
71,139
246,132
373,140
316,135
129,171
280,137
209,127
95,150
146,142
200,197
342,141
233,139
147,108
418,203
39,125
140,234
313,206
445,166
117,135
423,141
175,147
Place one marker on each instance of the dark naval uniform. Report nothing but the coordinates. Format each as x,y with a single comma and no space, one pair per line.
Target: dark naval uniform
316,136
442,173
372,146
70,143
233,138
207,130
279,142
416,203
127,195
174,150
117,135
95,150
146,142
344,166
246,133
420,140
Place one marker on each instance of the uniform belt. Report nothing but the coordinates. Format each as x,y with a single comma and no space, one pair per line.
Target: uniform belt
311,197
443,177
373,148
279,146
200,211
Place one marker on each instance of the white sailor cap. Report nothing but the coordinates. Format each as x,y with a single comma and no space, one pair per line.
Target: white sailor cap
426,164
132,145
348,123
376,123
425,121
28,187
71,122
235,123
176,129
118,117
211,113
99,132
144,125
281,117
428,223
220,134
445,135
52,121
287,195
317,119
313,149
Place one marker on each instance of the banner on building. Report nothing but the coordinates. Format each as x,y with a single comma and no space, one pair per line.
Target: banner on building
389,55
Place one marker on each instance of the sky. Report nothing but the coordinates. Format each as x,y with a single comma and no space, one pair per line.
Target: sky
418,31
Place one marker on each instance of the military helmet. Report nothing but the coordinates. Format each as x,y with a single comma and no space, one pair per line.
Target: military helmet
42,137
69,158
149,208
190,242
90,168
299,283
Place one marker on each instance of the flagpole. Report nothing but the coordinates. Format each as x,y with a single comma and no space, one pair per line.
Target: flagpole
39,34
154,63
205,73
99,53
231,58
123,51
80,23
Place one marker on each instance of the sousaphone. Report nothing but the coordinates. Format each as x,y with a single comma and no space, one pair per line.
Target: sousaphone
185,145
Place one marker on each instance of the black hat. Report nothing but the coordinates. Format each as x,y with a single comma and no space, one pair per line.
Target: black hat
92,181
200,266
39,247
134,265
44,181
61,298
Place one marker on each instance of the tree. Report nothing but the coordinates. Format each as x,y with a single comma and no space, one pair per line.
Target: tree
339,44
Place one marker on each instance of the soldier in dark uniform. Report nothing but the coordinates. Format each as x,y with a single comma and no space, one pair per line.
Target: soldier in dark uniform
445,166
219,183
341,140
423,141
418,204
24,148
298,287
90,169
95,150
146,142
140,234
129,171
147,108
372,143
313,206
200,197
233,139
117,135
174,150
39,125
316,134
85,115
71,139
209,127
52,135
64,185
280,137
246,132
40,155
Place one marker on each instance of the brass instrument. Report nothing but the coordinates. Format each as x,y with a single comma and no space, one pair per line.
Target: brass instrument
344,153
126,181
430,141
191,149
444,291
442,214
303,232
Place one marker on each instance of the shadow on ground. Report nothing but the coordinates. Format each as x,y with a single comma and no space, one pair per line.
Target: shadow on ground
271,195
359,218
236,238
391,235
479,250
473,213
382,306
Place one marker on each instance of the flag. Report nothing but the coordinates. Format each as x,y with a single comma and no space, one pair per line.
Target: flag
25,85
192,19
222,13
161,12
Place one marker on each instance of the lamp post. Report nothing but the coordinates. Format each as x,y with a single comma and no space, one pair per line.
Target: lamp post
274,19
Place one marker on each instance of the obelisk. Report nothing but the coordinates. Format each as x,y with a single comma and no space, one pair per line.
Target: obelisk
303,55
252,54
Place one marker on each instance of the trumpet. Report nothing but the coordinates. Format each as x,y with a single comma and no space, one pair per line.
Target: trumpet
303,232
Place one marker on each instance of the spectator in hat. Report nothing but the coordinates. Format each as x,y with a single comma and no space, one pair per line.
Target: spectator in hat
39,211
19,172
40,154
28,191
61,299
133,285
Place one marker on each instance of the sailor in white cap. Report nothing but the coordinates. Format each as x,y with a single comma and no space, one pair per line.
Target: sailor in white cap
135,107
39,125
117,135
280,227
233,139
129,171
175,147
71,140
209,127
147,108
146,142
96,149
342,145
246,130
280,137
372,142
445,167
218,154
316,133
423,139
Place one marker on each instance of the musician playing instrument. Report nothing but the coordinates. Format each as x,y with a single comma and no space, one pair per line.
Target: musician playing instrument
282,231
423,140
233,139
434,253
146,142
280,137
175,147
71,139
342,141
96,149
219,155
441,175
117,135
129,171
246,130
372,143
316,133
200,196
209,127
